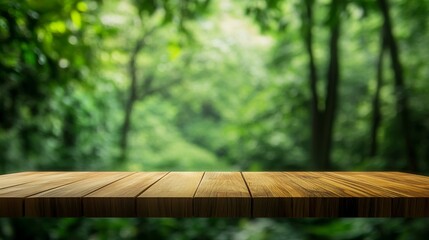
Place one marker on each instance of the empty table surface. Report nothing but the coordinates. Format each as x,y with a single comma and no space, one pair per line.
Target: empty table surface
214,194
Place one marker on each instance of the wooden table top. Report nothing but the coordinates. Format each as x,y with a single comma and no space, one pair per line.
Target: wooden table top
214,194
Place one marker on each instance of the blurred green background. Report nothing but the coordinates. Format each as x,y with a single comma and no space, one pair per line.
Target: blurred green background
260,85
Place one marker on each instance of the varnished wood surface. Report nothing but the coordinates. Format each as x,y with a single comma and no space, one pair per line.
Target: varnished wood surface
66,201
118,199
214,194
168,198
222,194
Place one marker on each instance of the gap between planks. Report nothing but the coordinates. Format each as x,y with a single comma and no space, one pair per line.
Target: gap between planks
120,199
250,193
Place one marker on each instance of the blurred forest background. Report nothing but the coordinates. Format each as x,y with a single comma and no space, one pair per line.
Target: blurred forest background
260,85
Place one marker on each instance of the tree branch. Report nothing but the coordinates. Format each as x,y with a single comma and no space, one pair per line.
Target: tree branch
133,97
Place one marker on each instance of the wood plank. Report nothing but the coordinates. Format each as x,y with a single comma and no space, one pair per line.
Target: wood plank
414,200
13,179
66,201
214,194
119,198
354,198
314,194
273,196
319,201
395,183
12,198
222,194
172,196
414,180
276,194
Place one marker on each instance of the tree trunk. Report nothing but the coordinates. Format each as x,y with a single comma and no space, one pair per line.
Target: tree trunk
400,89
333,76
376,113
132,98
69,140
322,120
313,79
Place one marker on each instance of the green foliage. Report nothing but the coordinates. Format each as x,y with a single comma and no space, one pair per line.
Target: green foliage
46,54
242,101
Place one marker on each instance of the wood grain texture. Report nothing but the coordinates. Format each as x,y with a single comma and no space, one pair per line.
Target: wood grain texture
66,201
12,198
349,199
412,200
222,194
13,179
172,196
119,198
214,194
325,194
407,178
274,196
